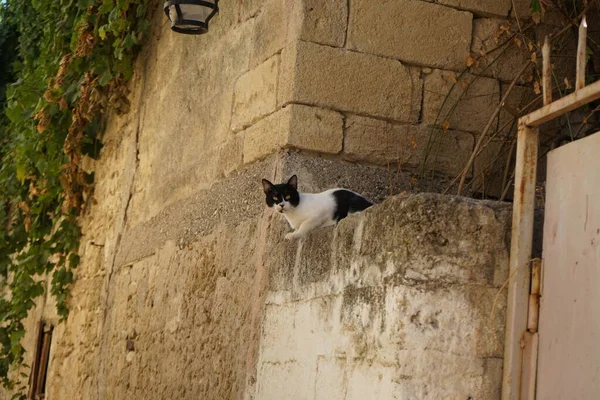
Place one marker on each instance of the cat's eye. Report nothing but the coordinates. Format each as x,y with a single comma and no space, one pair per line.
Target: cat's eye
287,197
276,198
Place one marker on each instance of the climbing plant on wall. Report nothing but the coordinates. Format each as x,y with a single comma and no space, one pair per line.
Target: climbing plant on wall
63,63
521,36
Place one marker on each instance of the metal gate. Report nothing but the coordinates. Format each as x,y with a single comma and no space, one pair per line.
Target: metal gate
556,356
569,321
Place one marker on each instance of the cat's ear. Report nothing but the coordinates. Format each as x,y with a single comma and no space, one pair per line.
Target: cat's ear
293,182
267,186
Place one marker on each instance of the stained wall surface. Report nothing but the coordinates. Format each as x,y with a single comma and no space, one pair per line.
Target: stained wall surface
184,271
400,302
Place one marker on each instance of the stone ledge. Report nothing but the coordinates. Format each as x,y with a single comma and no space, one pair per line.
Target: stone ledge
426,240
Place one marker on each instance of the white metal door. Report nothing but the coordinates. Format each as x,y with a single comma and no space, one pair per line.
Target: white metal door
569,325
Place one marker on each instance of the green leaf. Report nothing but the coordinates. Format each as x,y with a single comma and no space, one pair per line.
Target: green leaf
45,240
106,7
105,77
21,173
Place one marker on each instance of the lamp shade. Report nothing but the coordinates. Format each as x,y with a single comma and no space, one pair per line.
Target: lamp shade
190,16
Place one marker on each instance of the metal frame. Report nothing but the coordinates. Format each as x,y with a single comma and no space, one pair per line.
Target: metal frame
521,338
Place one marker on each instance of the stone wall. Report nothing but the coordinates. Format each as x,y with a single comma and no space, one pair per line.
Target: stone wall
395,303
184,270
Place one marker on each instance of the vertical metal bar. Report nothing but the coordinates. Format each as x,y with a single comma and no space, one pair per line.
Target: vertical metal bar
530,355
534,296
546,72
581,55
520,255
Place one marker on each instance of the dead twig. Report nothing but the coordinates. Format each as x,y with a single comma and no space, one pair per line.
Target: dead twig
488,126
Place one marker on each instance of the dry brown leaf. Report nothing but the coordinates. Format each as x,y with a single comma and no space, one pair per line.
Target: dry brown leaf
518,42
534,57
24,207
62,103
567,83
413,142
530,46
537,17
536,87
470,61
27,223
529,77
464,85
445,125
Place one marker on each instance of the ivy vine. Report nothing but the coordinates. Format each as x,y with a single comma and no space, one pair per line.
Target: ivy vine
63,63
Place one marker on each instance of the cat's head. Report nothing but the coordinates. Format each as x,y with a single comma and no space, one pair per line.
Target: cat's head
282,197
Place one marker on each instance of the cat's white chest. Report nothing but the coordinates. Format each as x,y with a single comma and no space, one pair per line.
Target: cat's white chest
312,206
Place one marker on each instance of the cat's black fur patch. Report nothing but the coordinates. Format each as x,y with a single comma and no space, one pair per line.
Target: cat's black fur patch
348,202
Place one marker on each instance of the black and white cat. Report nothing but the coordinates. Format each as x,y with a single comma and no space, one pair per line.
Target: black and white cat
308,211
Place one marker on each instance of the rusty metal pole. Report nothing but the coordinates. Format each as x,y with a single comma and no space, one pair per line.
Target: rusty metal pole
520,257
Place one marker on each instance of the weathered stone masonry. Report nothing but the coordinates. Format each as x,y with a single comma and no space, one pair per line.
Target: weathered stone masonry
186,288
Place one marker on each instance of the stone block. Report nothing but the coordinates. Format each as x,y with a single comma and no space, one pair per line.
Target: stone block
348,81
521,10
230,155
318,21
255,94
409,243
315,261
504,62
281,381
415,32
281,346
466,103
280,255
330,379
429,319
270,31
264,137
482,7
298,126
315,129
383,143
248,9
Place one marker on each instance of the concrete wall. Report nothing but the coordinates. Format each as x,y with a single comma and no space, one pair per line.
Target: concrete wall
185,277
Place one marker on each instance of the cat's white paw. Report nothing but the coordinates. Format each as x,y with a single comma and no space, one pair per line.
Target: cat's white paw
291,236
